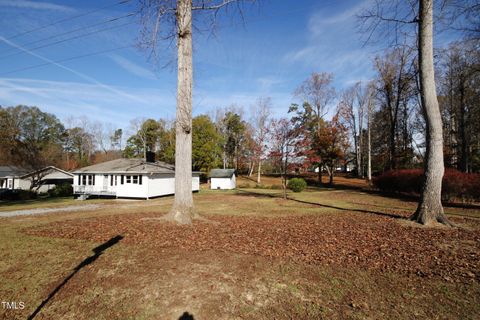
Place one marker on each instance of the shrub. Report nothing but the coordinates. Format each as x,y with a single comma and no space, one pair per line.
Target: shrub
61,190
297,184
455,184
17,195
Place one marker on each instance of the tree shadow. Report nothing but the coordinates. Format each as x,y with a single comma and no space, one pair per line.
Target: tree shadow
270,195
186,316
98,251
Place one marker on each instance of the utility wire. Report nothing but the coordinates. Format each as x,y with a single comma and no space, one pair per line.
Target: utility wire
69,39
71,31
67,19
67,59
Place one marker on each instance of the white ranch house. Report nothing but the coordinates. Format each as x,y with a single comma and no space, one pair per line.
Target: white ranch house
128,178
223,179
15,178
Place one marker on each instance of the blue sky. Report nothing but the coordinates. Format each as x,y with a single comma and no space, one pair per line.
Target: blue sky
279,45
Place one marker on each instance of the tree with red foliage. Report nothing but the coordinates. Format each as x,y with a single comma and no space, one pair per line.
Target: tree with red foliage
331,144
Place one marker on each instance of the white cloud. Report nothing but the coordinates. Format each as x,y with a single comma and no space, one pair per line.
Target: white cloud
133,67
334,45
66,99
36,5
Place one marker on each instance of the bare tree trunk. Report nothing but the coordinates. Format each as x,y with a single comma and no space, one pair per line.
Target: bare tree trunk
330,175
224,158
369,148
251,168
182,210
145,148
463,163
430,209
259,171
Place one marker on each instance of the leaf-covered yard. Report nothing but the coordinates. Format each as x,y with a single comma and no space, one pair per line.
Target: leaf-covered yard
322,254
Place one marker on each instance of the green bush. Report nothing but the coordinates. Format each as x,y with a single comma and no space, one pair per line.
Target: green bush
61,190
297,184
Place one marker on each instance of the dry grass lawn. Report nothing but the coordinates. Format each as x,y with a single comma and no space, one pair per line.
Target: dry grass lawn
324,254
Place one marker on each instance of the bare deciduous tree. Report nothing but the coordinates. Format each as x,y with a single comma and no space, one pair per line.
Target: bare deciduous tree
318,91
260,113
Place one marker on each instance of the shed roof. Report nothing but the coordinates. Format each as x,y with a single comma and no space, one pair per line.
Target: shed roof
221,173
128,166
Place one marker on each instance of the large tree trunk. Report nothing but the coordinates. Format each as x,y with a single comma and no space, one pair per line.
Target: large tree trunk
182,210
430,208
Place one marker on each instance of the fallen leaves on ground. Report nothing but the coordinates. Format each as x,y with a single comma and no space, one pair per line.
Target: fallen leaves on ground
348,240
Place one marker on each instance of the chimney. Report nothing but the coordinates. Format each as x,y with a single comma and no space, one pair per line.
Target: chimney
150,156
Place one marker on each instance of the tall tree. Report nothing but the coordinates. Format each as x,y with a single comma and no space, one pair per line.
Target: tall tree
234,136
351,109
331,144
31,138
317,93
395,88
430,207
207,152
154,13
260,114
420,13
283,138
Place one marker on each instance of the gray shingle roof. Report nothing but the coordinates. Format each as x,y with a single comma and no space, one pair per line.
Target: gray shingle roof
128,166
11,171
221,173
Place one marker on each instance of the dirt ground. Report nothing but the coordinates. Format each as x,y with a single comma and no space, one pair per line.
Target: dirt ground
323,254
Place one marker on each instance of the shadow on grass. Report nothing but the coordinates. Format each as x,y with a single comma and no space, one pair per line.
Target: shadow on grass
186,316
97,253
272,195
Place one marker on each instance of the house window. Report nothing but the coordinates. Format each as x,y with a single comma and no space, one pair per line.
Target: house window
135,179
84,180
91,179
129,179
10,184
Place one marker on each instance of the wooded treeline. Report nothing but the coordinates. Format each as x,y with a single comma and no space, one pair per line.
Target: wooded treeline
329,129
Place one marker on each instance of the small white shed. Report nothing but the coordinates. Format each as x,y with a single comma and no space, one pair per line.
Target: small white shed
223,179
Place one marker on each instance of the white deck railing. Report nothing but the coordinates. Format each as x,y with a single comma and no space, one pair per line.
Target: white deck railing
91,190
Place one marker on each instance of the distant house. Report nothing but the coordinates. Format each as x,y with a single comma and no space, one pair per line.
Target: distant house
41,180
128,178
223,179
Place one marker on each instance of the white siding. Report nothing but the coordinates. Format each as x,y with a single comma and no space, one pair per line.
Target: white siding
161,185
223,183
132,190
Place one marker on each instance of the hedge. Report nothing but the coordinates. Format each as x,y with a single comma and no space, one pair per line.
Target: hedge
455,184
